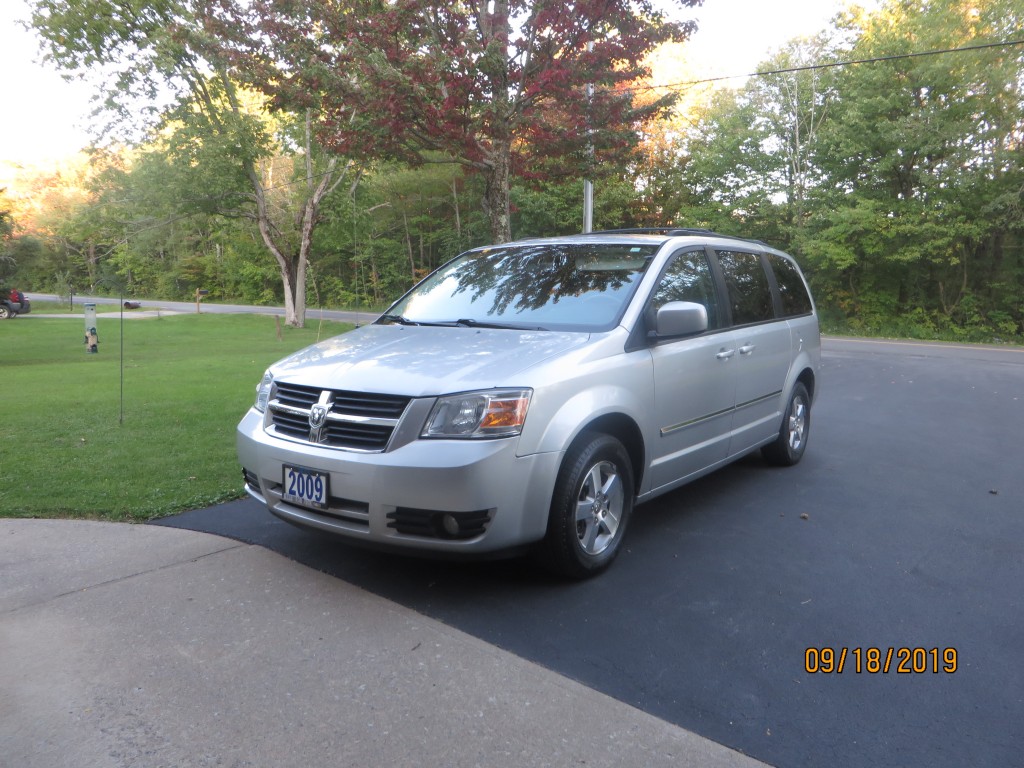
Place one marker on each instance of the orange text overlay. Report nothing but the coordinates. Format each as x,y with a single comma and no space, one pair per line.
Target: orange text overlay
902,661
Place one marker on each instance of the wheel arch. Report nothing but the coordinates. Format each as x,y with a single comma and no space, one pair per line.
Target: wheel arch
626,431
808,379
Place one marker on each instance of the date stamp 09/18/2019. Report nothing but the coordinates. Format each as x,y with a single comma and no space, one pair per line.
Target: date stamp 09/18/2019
903,661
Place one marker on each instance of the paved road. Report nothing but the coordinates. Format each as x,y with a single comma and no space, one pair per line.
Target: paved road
902,528
207,308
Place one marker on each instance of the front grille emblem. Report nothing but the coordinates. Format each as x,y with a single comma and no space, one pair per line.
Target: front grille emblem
317,419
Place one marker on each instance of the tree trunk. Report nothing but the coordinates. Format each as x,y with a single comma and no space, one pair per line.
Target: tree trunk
91,260
496,29
408,246
496,196
293,266
458,219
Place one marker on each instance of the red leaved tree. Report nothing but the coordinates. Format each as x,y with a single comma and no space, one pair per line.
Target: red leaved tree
499,86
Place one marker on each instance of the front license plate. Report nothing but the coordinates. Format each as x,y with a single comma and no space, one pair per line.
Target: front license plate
305,487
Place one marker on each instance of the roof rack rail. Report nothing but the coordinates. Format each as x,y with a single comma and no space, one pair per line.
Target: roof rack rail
672,232
667,231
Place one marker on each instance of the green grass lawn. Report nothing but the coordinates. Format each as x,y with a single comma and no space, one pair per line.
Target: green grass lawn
57,308
187,380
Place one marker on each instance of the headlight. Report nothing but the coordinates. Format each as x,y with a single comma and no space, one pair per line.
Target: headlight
263,392
495,413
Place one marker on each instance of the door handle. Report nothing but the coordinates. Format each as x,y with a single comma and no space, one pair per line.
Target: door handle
725,354
747,349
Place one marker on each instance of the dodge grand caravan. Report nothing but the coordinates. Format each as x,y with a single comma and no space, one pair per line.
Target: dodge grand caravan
529,395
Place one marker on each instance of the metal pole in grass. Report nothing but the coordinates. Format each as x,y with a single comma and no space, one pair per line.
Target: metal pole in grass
120,413
110,284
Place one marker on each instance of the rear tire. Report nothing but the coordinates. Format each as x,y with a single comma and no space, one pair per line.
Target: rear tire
5,312
791,443
590,508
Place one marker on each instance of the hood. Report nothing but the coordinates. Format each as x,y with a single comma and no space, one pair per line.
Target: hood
424,361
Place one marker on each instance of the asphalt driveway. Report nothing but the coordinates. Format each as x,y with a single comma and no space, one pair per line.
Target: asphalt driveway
902,529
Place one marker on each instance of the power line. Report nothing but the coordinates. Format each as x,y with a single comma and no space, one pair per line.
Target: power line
687,83
803,68
832,65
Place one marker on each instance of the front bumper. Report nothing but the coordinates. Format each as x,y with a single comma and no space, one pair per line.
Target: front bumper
399,498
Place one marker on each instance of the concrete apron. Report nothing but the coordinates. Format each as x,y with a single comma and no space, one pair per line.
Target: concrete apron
131,645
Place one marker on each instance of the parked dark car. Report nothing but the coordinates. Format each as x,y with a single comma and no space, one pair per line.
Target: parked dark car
14,303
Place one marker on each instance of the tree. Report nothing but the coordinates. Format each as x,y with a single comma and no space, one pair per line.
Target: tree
235,157
6,229
62,228
923,162
496,86
752,153
791,107
150,47
6,216
897,180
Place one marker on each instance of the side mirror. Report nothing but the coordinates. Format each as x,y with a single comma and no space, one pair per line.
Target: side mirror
681,318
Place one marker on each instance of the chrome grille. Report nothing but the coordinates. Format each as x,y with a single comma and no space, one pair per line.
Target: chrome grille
381,406
296,396
355,420
368,436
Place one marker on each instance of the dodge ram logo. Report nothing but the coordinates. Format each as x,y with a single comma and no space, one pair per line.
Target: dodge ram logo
317,417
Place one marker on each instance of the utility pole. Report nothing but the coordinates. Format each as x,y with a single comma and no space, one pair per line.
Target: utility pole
588,185
588,206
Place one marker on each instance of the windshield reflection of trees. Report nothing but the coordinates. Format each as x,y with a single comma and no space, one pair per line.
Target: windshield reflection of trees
531,278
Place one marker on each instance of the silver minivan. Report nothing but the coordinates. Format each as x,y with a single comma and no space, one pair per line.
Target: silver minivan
529,395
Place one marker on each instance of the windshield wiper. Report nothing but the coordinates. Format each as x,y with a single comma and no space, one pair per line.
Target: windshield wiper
466,322
471,323
400,319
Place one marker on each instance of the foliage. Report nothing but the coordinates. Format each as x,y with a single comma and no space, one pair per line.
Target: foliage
917,153
496,87
898,183
6,217
214,137
553,208
6,230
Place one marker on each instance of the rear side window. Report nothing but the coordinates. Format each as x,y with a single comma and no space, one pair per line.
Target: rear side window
792,291
750,296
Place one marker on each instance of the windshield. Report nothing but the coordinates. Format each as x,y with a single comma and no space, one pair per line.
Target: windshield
579,287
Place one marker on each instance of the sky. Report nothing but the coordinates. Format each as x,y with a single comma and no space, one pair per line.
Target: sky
45,119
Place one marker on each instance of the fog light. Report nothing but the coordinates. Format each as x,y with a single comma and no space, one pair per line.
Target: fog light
450,525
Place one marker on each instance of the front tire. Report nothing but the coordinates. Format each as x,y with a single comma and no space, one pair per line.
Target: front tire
791,443
590,508
5,312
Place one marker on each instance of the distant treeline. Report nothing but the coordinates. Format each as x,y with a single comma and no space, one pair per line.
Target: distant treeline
896,181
